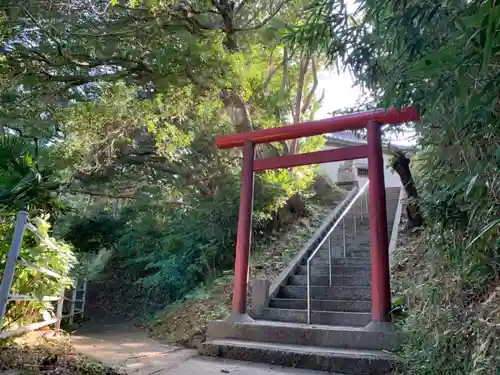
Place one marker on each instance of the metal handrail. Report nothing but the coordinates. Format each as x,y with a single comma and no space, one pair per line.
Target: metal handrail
328,236
13,258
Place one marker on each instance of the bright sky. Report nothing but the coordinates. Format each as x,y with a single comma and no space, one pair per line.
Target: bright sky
340,92
339,89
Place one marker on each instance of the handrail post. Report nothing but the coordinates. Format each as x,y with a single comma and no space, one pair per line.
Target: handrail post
361,208
59,309
73,301
10,265
354,218
379,241
343,231
84,296
243,238
330,258
309,291
367,208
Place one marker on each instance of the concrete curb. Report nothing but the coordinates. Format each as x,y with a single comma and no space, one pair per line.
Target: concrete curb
393,241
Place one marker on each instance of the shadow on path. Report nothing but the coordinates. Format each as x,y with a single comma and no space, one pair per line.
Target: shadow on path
125,346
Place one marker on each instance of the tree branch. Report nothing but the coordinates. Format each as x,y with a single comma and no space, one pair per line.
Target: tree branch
237,109
117,196
307,101
218,6
304,63
265,20
271,74
100,194
239,7
285,69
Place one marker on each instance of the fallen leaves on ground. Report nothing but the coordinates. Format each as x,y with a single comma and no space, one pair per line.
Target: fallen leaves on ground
43,352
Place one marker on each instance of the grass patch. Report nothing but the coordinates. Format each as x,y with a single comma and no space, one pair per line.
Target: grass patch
43,353
447,331
185,322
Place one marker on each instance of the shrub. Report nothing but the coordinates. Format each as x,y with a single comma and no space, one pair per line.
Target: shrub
167,248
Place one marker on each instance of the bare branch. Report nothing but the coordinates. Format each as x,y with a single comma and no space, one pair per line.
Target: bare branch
307,101
186,17
265,20
304,63
108,34
271,74
118,196
320,100
237,109
219,6
239,7
285,69
102,194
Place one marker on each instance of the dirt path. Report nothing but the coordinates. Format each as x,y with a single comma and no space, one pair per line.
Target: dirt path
125,346
121,344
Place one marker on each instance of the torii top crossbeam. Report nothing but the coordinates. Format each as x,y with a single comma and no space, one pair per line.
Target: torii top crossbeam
351,121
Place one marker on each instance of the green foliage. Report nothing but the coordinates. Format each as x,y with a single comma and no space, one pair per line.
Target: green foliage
442,57
180,249
92,266
23,184
126,105
91,234
30,282
168,249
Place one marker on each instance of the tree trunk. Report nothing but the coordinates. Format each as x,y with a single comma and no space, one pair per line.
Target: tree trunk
401,164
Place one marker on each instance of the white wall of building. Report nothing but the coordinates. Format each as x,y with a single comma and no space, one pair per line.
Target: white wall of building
331,170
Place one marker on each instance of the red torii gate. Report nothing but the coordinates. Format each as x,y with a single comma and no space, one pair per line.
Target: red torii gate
372,120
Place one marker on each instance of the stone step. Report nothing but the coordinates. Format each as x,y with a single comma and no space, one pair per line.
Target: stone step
322,305
358,293
361,244
338,249
331,318
353,243
325,280
358,271
303,334
362,228
322,259
346,361
339,253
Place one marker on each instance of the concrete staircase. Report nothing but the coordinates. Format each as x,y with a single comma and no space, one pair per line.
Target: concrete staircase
336,340
348,301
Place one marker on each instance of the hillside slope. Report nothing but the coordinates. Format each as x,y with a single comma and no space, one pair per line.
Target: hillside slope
448,329
185,322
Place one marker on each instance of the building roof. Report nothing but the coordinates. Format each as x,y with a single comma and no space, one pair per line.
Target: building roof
345,136
348,138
